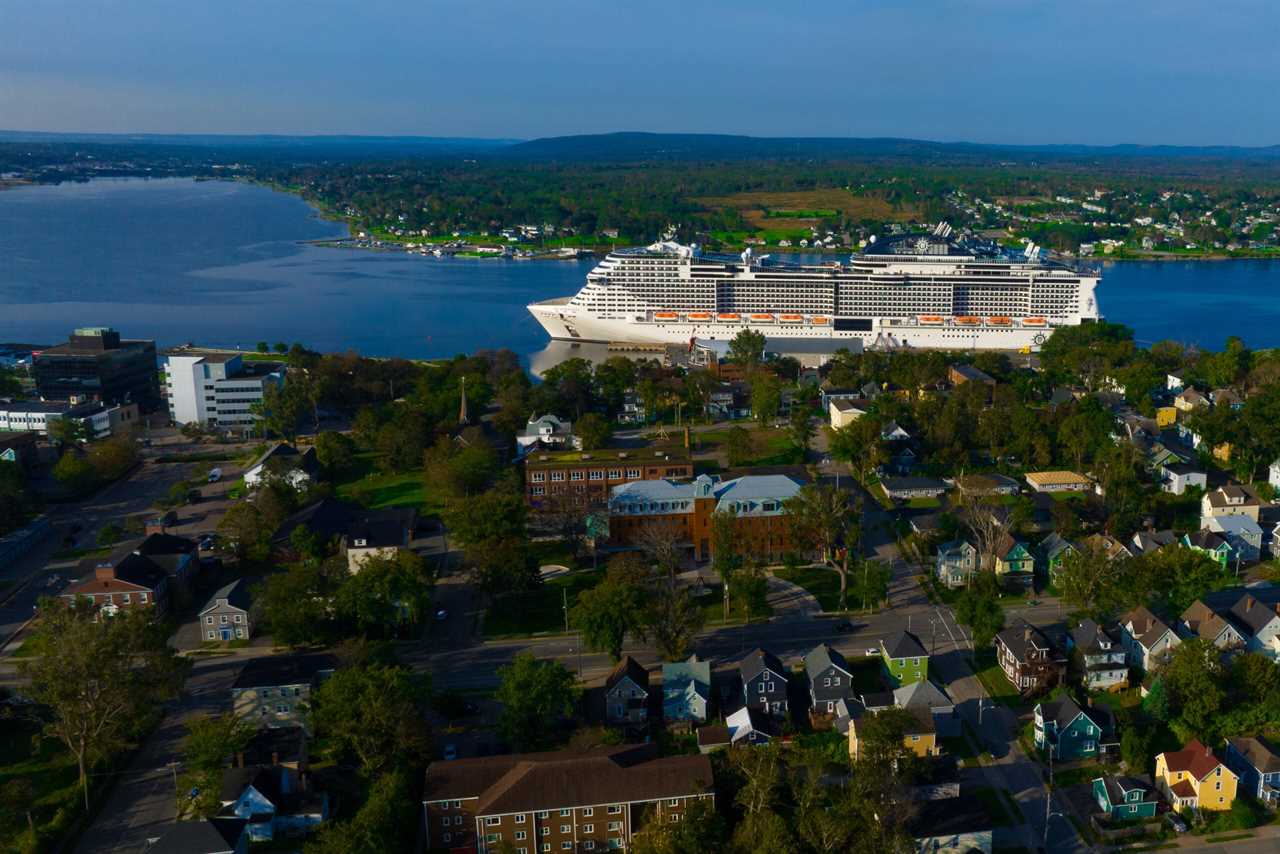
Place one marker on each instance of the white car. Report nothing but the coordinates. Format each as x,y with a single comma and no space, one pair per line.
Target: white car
872,651
442,615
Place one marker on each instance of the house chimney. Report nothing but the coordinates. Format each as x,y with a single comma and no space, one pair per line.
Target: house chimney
1026,634
1090,702
104,572
240,759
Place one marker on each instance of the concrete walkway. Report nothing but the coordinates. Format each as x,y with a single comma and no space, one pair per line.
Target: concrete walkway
790,600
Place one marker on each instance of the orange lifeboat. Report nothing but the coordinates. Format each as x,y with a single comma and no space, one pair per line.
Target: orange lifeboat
930,319
791,318
728,316
665,315
999,321
1033,321
818,321
699,315
969,321
762,318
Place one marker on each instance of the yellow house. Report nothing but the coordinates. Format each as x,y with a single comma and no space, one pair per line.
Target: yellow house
1222,452
1194,778
1166,416
921,737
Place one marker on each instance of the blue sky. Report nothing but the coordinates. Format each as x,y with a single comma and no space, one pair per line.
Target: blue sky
1087,71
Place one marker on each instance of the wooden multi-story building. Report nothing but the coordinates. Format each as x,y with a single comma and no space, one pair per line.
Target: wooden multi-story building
565,801
1030,661
584,478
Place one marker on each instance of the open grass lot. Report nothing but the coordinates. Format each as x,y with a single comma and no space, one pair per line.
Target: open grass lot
802,208
712,605
50,770
375,489
541,610
769,447
993,679
822,582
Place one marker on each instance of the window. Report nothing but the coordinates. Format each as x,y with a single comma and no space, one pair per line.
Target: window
211,635
142,597
520,818
595,474
222,618
826,682
674,817
445,837
587,811
542,814
544,831
575,475
588,828
538,477
674,802
491,821
491,838
546,846
633,473
539,490
615,825
557,477
124,598
282,708
615,474
208,621
567,845
915,662
457,819
457,805
239,618
444,805
239,633
520,835
915,738
566,812
566,828
615,809
589,845
762,684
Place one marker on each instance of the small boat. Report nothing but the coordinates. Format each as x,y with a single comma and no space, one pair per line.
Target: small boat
791,318
728,316
665,315
930,319
699,315
1000,321
818,321
762,318
969,321
1033,321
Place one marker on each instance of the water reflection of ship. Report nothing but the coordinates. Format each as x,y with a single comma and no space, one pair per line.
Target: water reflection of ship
596,353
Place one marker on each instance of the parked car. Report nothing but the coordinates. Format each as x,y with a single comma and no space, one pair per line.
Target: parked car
442,615
450,752
844,627
872,651
215,475
1176,822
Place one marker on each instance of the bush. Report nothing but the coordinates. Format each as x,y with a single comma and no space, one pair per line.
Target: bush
110,534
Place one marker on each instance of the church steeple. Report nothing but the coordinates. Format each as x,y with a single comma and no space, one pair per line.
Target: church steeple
462,408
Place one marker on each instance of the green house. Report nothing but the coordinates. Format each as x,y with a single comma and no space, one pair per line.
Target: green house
1068,731
904,657
1209,544
1015,564
1125,798
1055,550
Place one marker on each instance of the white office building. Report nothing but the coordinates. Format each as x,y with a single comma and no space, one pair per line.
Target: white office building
216,389
36,415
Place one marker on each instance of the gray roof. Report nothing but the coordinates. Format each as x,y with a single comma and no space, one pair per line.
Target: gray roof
903,645
1021,635
277,670
1258,753
1117,785
691,670
757,661
899,484
205,836
1086,636
236,593
1063,710
1054,545
922,694
821,657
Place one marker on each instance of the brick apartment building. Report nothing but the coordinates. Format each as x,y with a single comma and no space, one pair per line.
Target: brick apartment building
682,512
585,477
560,801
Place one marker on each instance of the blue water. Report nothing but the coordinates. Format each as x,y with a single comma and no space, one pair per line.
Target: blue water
220,263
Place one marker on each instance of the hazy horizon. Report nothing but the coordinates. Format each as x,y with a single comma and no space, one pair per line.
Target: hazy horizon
983,71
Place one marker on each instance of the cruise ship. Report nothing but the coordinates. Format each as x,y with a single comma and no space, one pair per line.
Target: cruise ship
929,290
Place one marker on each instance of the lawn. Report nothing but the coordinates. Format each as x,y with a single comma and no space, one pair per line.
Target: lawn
924,503
712,605
997,806
375,489
822,582
50,770
769,447
993,679
541,610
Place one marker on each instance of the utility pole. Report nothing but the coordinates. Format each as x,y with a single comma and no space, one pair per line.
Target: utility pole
564,595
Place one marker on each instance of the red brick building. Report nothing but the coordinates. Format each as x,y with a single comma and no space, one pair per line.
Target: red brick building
585,477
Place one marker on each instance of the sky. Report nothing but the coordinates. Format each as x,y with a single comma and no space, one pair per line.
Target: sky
997,71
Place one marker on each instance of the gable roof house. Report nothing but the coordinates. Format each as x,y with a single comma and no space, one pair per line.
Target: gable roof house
751,725
764,683
1212,545
203,836
956,562
1199,620
378,533
843,411
296,468
226,615
1177,477
830,679
904,658
1122,798
1232,499
276,691
1145,542
179,557
907,488
1070,732
1014,565
272,800
1053,551
626,693
1058,481
686,690
986,484
132,582
926,696
920,735
1104,663
1194,778
1030,661
547,431
1147,639
1242,534
1257,764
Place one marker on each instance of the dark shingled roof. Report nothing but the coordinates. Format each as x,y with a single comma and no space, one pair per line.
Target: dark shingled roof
276,670
903,645
205,836
757,661
236,593
1258,753
821,657
631,668
537,781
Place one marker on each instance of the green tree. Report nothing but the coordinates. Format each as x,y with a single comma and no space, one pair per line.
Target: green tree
593,430
490,516
738,446
752,590
800,426
979,609
110,534
766,396
335,451
534,695
725,557
387,591
246,531
747,349
210,742
67,432
74,472
827,518
1087,578
673,620
385,822
376,714
99,678
263,347
1193,676
701,829
296,606
18,796
860,444
606,613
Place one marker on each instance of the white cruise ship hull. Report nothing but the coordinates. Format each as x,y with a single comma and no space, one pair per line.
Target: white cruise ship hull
567,322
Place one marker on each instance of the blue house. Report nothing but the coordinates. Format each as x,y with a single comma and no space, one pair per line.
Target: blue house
1258,765
1067,731
686,689
272,799
1125,798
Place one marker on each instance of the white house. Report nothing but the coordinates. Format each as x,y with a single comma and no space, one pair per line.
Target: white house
1178,477
549,431
297,468
1273,474
844,410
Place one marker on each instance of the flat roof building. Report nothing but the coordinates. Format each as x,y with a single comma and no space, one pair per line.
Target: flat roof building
217,389
97,364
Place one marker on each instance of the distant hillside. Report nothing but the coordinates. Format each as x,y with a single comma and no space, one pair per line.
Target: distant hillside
347,145
678,146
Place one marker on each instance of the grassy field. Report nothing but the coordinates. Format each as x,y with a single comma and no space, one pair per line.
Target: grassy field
367,485
51,771
993,679
810,205
822,582
712,603
541,610
770,447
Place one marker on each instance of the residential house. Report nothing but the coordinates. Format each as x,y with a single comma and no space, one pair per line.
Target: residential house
179,557
843,411
332,520
1233,499
285,462
546,432
986,485
1108,546
907,488
1194,778
1199,620
830,679
1053,551
920,736
1015,565
286,747
1257,764
1124,798
1103,661
764,683
1174,383
202,836
1030,661
1259,620
272,800
1058,481
1150,540
20,448
594,800
276,691
729,402
1068,731
904,657
893,432
1209,544
686,690
1273,474
1189,400
132,582
378,533
626,693
961,374
950,822
926,696
1147,639
956,562
226,616
1178,477
751,726
1242,534
714,737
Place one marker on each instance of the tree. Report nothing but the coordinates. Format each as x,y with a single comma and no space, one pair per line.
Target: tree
67,432
1087,577
280,410
747,349
1193,677
376,714
335,451
593,430
210,741
761,771
386,821
725,559
753,590
263,347
738,446
979,609
534,695
385,592
492,515
74,472
109,534
18,795
822,515
246,531
800,426
766,396
701,829
503,566
99,678
861,444
1135,748
606,613
987,522
295,606
673,620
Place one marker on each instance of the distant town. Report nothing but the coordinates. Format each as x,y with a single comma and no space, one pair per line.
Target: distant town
908,600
